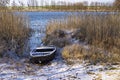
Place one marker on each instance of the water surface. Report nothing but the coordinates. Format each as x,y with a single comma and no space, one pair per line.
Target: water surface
38,22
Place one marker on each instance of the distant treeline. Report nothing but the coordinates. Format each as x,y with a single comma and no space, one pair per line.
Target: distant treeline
85,6
34,5
69,7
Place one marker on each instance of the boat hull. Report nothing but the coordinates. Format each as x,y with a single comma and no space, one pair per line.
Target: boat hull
42,59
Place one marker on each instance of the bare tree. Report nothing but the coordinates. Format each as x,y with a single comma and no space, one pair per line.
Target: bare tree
14,5
32,3
85,3
4,3
21,3
117,4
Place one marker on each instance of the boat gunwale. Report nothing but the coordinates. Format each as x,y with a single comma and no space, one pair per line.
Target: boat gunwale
50,52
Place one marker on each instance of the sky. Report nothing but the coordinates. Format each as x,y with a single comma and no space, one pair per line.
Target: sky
44,2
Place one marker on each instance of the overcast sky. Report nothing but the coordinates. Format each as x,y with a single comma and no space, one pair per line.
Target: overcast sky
57,1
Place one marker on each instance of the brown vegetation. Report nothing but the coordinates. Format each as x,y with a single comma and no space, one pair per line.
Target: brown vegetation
14,32
117,4
74,51
57,38
92,55
98,30
69,23
101,30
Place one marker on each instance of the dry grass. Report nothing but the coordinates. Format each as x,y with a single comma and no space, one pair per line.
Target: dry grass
95,56
14,32
101,30
75,52
98,30
69,23
57,38
56,34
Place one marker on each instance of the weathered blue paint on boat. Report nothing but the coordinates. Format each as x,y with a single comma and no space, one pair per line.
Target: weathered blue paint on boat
42,54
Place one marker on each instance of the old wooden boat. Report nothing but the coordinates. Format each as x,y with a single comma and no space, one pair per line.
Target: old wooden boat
42,54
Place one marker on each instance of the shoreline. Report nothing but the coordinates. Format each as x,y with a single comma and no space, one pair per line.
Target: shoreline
56,70
52,10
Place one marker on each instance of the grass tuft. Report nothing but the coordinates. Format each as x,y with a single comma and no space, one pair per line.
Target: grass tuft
14,32
102,31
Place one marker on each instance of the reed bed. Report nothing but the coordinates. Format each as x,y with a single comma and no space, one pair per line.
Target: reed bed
98,30
92,55
14,32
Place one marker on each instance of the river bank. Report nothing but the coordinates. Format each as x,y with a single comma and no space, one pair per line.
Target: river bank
23,70
59,68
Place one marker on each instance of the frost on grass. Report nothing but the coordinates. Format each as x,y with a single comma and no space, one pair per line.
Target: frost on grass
23,70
